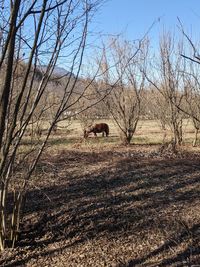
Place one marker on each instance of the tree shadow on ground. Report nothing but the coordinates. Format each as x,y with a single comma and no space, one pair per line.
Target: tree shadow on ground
126,194
186,256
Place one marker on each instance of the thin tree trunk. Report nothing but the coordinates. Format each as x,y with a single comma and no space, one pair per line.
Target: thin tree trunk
195,137
4,101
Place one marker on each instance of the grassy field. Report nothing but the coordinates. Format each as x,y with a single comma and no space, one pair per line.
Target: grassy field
148,133
97,203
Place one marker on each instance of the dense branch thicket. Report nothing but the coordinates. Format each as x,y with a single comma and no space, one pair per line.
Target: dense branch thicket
35,36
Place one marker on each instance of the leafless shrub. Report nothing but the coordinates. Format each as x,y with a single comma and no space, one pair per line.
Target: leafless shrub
58,29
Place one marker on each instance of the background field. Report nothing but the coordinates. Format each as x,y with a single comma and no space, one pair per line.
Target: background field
148,132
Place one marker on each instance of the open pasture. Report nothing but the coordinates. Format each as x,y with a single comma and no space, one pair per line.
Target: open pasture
148,132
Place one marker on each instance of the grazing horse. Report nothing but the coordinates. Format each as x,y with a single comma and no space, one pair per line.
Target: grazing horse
97,128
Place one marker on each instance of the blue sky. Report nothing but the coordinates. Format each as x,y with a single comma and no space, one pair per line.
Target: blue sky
133,18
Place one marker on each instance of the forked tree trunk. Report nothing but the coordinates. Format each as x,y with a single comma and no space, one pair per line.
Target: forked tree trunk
127,140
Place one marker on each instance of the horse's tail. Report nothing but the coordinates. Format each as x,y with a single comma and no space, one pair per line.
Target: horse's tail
107,130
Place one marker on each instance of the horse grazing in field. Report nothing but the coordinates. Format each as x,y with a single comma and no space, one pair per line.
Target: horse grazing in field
97,128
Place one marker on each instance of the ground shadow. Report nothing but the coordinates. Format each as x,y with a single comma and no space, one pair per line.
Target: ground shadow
185,257
126,194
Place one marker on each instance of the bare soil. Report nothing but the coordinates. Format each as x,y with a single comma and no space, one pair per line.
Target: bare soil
111,206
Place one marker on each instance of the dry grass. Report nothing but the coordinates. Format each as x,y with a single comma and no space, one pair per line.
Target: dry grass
100,204
148,132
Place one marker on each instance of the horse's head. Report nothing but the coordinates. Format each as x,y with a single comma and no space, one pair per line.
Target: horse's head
88,130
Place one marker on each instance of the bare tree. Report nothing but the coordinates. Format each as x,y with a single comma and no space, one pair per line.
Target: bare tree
191,82
192,97
167,78
124,102
58,32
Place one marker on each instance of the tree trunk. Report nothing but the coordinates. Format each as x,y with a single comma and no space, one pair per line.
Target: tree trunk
195,137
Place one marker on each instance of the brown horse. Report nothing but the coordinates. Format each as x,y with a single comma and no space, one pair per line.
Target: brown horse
97,128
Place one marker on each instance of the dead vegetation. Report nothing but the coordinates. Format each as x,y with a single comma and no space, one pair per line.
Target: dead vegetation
111,206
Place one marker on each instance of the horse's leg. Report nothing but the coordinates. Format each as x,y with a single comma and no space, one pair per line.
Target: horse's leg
102,134
95,134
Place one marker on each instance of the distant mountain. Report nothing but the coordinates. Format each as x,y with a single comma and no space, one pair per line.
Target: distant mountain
58,71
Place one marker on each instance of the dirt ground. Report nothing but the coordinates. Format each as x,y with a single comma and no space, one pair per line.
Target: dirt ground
111,206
